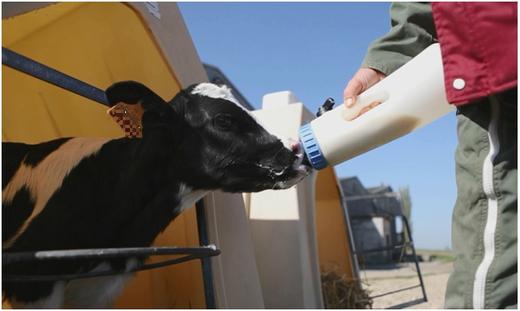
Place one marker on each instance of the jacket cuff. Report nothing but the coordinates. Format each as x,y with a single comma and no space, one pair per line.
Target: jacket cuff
384,61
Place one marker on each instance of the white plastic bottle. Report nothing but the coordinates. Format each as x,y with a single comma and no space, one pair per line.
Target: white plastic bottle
412,96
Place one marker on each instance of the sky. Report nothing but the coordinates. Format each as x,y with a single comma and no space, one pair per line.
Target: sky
312,50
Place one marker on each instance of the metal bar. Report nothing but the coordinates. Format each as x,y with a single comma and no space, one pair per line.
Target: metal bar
52,76
207,275
407,304
349,233
396,291
103,253
407,226
380,249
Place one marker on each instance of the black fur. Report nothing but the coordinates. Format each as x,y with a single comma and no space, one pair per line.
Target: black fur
128,192
15,213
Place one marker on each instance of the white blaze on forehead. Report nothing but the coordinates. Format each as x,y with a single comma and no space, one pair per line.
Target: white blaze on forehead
215,91
224,92
218,92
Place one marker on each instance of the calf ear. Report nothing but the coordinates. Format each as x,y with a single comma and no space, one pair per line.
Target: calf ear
157,113
131,92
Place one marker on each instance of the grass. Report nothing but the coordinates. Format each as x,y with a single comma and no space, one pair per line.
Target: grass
342,293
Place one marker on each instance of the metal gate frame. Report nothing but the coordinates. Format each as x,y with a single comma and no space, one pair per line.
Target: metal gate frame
40,71
415,260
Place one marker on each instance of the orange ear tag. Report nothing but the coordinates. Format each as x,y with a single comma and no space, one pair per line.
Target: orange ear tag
128,117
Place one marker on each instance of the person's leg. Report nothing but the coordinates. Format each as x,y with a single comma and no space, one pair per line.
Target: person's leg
484,231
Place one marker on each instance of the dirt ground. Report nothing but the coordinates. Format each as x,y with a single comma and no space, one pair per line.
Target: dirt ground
435,276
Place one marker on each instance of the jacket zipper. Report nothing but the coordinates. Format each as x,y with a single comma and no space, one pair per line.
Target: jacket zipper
479,285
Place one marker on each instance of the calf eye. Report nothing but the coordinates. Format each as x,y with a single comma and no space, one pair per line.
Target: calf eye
224,122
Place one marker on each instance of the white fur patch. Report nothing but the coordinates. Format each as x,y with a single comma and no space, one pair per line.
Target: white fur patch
223,92
97,292
188,197
53,301
215,91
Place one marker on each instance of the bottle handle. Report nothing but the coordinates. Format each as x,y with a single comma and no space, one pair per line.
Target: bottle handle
364,102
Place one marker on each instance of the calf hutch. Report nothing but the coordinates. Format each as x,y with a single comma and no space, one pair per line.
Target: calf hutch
273,246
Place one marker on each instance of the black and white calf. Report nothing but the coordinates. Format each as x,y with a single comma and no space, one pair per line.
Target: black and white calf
74,193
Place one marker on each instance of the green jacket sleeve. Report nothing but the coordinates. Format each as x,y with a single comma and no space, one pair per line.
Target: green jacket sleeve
412,31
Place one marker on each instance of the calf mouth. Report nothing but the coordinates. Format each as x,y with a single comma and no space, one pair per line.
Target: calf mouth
293,174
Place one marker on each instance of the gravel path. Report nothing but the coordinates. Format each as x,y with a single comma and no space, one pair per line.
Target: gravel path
435,277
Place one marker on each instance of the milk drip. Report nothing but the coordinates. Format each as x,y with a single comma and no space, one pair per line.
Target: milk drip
411,97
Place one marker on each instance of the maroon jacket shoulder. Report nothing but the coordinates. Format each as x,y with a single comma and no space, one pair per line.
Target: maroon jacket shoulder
479,48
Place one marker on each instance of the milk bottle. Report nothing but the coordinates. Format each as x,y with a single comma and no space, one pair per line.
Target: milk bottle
411,97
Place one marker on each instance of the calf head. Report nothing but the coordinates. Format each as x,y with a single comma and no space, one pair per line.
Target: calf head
215,143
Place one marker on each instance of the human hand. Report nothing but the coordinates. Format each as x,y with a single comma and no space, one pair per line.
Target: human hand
363,79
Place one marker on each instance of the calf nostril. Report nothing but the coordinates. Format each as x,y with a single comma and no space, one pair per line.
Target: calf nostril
296,147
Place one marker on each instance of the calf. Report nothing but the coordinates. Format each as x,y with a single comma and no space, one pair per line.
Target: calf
74,193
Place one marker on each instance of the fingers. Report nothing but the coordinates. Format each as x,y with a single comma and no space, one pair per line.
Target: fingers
351,114
367,108
354,87
362,80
